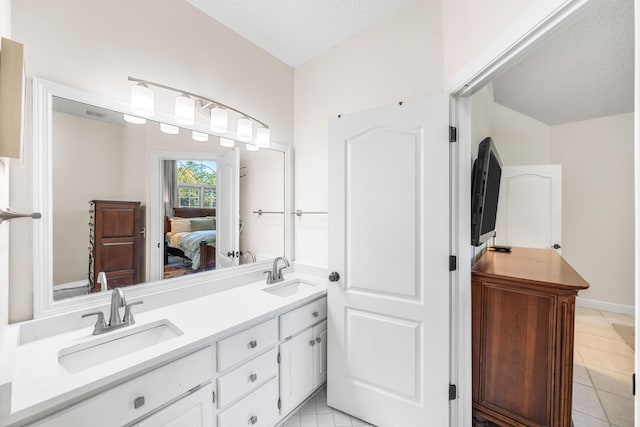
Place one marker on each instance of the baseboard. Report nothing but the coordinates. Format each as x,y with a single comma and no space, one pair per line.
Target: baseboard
606,306
71,285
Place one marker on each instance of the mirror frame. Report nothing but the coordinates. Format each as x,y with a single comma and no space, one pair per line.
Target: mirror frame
43,303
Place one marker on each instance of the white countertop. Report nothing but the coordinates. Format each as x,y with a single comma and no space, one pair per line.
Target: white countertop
41,385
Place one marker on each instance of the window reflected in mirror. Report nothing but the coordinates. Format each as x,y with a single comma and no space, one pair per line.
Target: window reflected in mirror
211,197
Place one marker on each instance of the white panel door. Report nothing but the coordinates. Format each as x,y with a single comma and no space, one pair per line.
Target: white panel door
388,322
228,209
194,410
530,207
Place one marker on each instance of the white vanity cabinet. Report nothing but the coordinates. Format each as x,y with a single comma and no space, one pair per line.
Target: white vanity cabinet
166,387
194,410
303,357
248,377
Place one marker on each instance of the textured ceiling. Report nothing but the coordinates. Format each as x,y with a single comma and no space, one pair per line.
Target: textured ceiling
582,72
296,31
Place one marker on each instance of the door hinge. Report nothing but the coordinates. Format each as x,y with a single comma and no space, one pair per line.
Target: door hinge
453,134
278,358
633,384
453,263
214,396
279,403
453,392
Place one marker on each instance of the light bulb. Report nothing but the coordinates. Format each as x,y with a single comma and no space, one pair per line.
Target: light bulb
142,100
135,120
199,136
251,147
229,143
219,120
185,110
171,130
263,137
245,129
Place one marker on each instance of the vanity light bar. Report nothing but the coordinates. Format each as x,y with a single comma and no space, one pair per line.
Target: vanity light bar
219,112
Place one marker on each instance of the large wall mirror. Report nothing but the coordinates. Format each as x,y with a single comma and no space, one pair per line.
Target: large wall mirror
145,206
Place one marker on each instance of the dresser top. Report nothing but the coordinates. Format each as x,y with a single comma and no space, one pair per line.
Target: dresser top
529,264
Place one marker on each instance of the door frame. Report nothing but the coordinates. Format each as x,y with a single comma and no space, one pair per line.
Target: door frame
541,19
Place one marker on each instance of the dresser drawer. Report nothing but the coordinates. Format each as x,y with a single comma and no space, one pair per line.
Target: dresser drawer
247,377
246,344
133,399
303,317
259,409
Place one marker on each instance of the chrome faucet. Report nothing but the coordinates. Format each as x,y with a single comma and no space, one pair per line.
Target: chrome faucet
275,274
115,322
102,279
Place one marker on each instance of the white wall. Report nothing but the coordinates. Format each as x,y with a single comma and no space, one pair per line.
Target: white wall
470,26
95,45
598,204
5,31
398,59
520,139
89,152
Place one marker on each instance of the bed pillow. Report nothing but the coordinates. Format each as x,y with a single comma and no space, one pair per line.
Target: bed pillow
201,224
179,225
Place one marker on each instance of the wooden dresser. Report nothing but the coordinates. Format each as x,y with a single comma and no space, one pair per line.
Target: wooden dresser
114,242
523,306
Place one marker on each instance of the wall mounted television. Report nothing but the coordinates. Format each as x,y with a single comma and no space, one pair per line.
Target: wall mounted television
485,188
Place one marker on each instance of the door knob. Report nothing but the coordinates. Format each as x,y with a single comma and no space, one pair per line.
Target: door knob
334,276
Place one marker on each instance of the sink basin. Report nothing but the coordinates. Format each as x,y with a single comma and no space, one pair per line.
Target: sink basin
288,289
115,344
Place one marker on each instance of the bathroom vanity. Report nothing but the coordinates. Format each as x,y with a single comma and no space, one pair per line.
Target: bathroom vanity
248,355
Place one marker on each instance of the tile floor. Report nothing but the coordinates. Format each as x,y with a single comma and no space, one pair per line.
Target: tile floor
603,365
316,413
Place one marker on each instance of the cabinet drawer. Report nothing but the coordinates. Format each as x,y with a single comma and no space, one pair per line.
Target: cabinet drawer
117,406
259,409
245,344
247,377
303,317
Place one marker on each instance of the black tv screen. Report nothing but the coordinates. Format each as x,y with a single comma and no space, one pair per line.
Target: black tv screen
485,189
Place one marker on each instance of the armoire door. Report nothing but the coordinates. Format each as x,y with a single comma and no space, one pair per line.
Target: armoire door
389,228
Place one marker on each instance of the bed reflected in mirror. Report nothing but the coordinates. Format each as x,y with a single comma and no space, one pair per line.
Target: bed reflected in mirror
205,217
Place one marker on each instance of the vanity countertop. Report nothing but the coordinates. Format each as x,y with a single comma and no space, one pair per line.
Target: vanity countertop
40,385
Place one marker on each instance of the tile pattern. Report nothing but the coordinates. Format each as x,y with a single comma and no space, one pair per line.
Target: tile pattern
603,365
315,413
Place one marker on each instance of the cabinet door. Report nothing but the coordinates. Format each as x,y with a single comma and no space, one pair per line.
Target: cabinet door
296,369
320,354
194,410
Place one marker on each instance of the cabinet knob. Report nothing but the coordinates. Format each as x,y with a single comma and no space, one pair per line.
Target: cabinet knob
253,377
315,314
138,402
319,339
334,276
253,344
312,343
253,419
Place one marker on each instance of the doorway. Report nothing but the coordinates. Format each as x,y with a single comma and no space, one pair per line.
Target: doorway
505,56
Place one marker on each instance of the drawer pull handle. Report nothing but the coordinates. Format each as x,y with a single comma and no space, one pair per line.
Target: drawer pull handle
253,377
253,344
319,339
315,314
253,419
138,402
312,343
